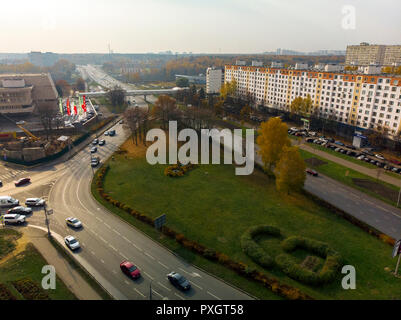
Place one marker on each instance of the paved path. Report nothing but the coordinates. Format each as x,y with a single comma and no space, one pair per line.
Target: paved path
72,279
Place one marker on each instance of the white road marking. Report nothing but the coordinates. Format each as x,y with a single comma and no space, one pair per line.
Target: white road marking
107,225
160,284
147,254
140,293
127,282
177,295
115,231
148,275
163,265
154,291
114,271
102,261
213,295
99,219
198,286
100,237
93,253
126,239
113,248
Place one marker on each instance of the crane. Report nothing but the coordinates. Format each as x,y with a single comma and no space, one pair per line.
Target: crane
28,133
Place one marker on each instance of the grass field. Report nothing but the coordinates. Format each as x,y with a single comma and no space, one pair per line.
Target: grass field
214,207
28,265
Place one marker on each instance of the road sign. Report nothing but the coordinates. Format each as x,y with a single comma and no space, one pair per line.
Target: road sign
160,221
50,212
397,249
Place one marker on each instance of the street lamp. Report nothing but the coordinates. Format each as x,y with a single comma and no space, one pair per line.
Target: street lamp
48,213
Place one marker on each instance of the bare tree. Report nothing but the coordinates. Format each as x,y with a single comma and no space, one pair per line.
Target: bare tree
166,110
47,114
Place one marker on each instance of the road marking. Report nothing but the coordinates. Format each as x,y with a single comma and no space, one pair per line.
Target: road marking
213,295
99,219
177,295
136,247
140,293
102,261
121,254
148,275
127,282
199,287
154,291
93,253
147,254
117,232
107,225
160,284
114,271
126,239
113,248
100,237
163,265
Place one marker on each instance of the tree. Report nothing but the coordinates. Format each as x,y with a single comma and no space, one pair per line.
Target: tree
182,82
228,89
137,121
202,94
80,84
116,96
273,137
63,88
246,112
47,114
290,171
165,109
302,106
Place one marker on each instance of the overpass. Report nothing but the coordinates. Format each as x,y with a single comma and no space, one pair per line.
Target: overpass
132,93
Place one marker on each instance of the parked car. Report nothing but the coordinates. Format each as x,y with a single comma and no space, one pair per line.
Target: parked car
312,172
339,143
35,202
361,158
20,210
378,156
94,150
373,162
112,133
106,133
8,202
380,164
94,163
72,243
102,142
14,219
129,269
310,140
22,182
179,281
95,142
396,170
1,183
395,161
338,150
74,223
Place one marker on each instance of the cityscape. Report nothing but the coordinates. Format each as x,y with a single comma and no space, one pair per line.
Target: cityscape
196,172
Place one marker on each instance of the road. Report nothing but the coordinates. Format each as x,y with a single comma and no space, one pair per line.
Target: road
107,240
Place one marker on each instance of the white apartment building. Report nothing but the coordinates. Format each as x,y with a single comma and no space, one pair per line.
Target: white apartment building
214,80
366,101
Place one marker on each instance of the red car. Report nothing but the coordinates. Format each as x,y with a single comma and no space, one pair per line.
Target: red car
129,269
312,172
22,182
395,161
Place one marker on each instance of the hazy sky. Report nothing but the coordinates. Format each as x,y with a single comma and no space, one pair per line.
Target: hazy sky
199,26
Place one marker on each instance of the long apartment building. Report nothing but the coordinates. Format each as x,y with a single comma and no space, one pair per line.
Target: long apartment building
367,54
366,101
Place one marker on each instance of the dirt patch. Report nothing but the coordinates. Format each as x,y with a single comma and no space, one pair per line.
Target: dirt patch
314,162
377,188
133,150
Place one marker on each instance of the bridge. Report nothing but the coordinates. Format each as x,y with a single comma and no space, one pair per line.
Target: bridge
132,93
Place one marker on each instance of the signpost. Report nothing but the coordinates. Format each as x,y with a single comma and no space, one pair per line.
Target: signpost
160,222
397,252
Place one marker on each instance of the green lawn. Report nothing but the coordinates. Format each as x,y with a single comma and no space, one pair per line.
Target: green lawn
214,207
346,175
28,265
7,241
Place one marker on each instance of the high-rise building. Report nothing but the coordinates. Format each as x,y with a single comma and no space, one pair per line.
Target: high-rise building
214,80
363,100
366,54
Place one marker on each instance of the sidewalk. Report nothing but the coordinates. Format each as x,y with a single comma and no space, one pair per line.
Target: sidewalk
72,279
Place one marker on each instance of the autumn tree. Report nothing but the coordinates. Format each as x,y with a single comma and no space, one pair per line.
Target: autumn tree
228,89
182,82
116,96
290,171
63,88
80,84
246,112
47,114
165,109
137,121
302,106
272,138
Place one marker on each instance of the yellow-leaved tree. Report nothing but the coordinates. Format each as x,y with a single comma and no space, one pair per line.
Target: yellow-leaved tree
228,89
290,171
272,138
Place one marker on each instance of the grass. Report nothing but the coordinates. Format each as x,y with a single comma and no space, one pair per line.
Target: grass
28,265
346,175
214,207
7,241
76,266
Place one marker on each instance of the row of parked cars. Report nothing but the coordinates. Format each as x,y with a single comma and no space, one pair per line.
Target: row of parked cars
16,214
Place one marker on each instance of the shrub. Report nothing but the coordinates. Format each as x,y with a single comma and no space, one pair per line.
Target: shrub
30,290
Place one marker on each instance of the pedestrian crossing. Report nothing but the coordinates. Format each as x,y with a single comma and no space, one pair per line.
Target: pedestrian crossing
7,175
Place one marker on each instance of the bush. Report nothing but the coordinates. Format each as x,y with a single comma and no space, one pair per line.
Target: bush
30,290
289,265
178,170
253,250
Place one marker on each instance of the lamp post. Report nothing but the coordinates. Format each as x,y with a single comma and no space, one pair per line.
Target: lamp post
48,213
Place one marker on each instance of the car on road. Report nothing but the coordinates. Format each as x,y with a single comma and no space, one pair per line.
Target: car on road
129,269
14,219
35,202
20,123
179,281
312,172
102,142
22,182
20,210
112,133
361,158
378,156
107,133
8,202
72,243
95,162
95,142
73,223
94,150
1,183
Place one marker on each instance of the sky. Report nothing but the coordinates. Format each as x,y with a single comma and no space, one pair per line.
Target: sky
198,26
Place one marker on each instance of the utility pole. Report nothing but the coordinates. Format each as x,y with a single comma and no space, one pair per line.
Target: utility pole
150,290
398,265
47,213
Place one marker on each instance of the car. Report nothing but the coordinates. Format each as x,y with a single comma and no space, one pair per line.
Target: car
350,153
72,243
102,142
361,158
380,164
14,219
106,133
310,140
179,281
20,210
312,172
95,142
93,150
1,183
22,182
35,202
121,122
73,223
112,133
373,162
395,161
129,269
388,167
20,123
338,150
396,170
378,156
367,159
339,143
94,163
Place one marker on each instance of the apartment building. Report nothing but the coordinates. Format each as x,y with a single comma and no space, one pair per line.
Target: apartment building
366,101
214,80
366,54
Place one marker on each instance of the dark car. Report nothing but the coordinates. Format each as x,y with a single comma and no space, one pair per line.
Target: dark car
312,172
179,281
22,182
112,133
94,150
310,140
102,142
95,142
1,183
20,210
129,269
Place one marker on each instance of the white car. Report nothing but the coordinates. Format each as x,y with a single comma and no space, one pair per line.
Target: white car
72,243
378,156
20,123
74,223
35,202
14,219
